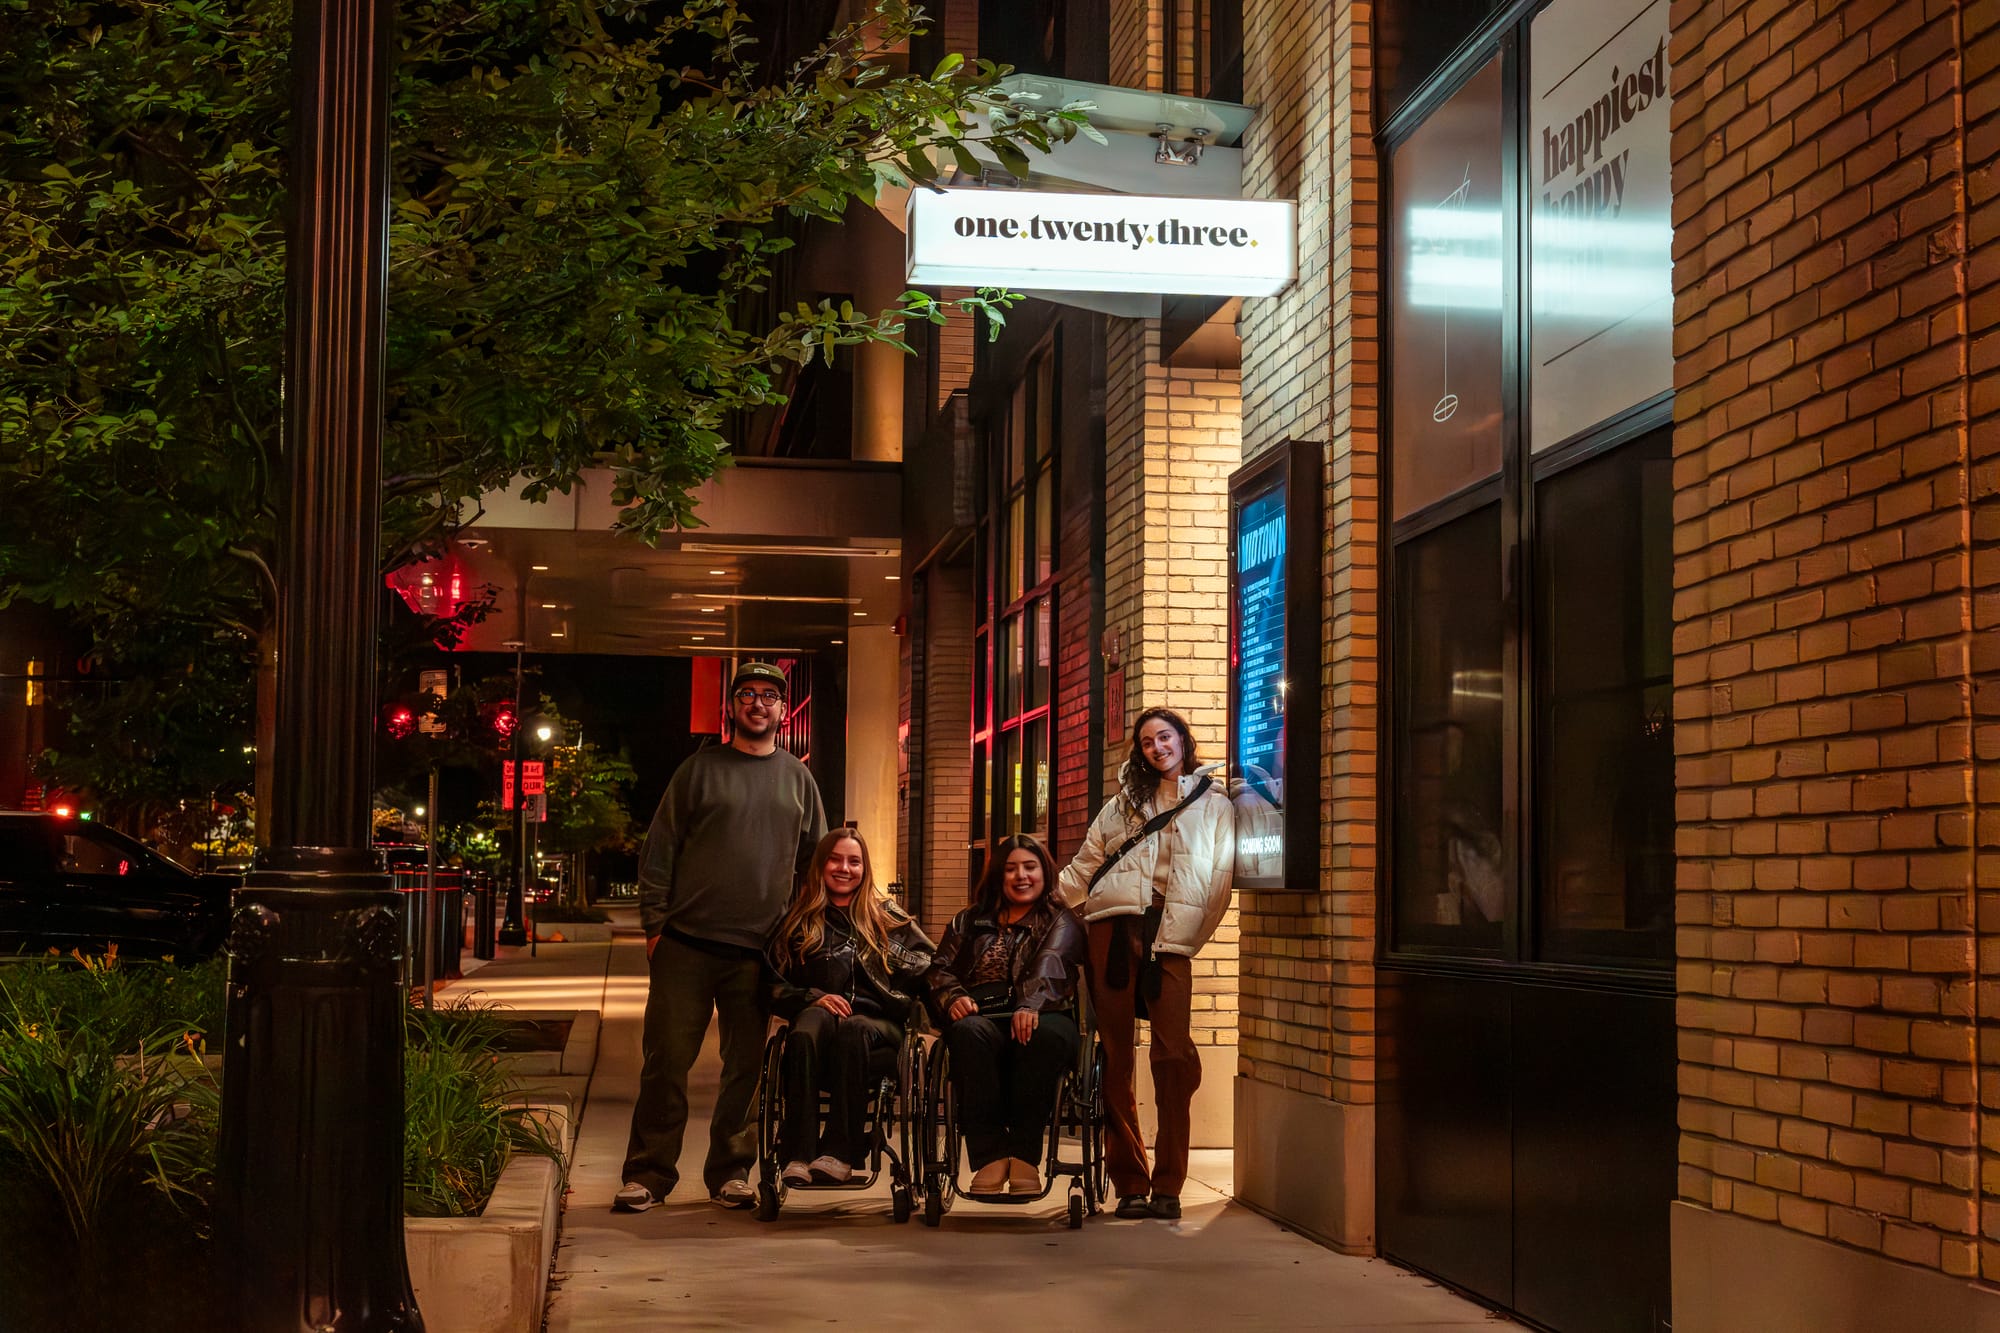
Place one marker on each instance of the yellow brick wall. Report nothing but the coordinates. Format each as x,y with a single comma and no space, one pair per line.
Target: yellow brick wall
1310,366
1172,439
1837,625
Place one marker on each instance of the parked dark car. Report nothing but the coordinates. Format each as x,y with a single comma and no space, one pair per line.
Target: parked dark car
72,884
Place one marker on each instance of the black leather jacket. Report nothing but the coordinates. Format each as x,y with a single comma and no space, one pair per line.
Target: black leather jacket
841,966
1042,973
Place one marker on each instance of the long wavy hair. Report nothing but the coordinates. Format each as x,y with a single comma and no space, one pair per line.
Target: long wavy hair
991,890
873,913
1142,780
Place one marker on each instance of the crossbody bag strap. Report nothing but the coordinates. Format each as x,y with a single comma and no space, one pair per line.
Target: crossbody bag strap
1152,826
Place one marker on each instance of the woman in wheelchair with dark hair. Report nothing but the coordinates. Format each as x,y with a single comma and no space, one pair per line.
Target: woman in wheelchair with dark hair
1004,979
847,963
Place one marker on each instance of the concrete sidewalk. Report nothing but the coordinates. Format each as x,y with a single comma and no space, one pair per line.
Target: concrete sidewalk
689,1264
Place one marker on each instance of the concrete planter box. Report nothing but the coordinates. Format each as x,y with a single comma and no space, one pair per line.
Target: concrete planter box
573,932
489,1274
579,1052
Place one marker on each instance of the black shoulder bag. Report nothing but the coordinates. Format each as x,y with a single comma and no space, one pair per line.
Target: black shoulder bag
1117,971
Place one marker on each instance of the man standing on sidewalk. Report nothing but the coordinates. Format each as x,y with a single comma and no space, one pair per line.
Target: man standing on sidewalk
731,836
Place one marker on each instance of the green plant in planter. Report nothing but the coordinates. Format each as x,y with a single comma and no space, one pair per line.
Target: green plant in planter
459,1127
123,1002
88,1114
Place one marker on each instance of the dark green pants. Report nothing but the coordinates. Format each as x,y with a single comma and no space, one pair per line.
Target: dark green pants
687,984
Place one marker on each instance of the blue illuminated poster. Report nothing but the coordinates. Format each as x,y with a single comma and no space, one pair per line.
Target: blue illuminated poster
1257,748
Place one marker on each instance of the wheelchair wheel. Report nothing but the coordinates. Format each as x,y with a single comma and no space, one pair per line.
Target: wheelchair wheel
1076,1210
934,1201
767,1202
770,1114
900,1203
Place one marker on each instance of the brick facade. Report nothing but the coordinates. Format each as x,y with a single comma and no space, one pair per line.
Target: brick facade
1836,625
947,747
1311,364
1172,439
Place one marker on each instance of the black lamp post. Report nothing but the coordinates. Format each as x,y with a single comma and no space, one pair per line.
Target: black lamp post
512,927
310,1165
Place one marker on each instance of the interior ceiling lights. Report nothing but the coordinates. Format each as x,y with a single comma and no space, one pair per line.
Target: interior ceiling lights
760,597
849,552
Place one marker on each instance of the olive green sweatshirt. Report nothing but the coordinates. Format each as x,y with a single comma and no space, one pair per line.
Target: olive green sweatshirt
730,838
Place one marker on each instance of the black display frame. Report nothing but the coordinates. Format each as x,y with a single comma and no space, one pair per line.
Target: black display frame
1294,467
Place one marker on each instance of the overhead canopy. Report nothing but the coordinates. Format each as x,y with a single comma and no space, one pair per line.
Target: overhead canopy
793,556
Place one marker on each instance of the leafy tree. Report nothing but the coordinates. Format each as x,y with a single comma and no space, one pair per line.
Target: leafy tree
587,791
588,200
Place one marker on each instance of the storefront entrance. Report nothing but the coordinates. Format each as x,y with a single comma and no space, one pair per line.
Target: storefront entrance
1526,1134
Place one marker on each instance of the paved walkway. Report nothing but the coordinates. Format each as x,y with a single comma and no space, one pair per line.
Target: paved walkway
688,1264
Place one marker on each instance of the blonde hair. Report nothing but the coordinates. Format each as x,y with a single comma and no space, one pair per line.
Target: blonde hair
873,913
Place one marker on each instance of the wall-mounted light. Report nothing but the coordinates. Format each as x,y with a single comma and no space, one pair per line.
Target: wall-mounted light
1185,153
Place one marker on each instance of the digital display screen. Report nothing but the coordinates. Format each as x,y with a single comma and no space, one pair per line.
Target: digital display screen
1257,747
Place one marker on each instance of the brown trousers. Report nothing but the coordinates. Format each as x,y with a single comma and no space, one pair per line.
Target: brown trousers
1176,1063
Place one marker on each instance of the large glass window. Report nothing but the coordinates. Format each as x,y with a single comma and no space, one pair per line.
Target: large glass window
1530,795
1445,323
1020,547
1604,790
1452,881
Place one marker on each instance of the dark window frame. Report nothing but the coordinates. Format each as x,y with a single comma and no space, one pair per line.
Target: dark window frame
998,723
1506,38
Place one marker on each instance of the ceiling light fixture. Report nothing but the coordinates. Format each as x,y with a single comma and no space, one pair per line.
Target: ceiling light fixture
893,578
836,641
744,648
718,571
760,597
760,548
698,638
859,614
557,634
548,606
539,569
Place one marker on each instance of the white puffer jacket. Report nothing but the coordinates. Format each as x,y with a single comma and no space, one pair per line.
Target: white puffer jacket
1202,843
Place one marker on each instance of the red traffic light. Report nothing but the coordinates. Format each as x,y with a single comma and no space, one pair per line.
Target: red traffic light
398,721
503,719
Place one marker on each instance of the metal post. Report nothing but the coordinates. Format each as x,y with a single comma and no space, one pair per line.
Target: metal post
510,925
430,890
310,1160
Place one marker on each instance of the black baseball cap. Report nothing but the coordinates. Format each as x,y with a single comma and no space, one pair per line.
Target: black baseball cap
760,671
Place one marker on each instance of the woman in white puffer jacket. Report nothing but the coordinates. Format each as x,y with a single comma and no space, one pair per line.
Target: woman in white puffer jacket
1148,914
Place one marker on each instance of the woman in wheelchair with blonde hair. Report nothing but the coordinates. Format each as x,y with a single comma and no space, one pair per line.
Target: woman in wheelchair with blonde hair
1001,990
846,965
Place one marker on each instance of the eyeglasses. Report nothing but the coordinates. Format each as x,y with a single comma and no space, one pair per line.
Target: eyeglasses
768,698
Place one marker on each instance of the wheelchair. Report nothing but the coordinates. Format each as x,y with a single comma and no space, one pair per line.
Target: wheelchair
1075,1127
889,1126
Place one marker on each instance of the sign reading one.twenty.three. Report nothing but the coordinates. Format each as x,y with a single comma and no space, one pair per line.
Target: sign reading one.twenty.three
1102,242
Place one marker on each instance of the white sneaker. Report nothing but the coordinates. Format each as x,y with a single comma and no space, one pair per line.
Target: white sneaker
830,1169
734,1194
989,1179
632,1197
797,1173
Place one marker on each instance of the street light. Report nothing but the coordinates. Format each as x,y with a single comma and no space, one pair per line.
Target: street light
544,732
309,1164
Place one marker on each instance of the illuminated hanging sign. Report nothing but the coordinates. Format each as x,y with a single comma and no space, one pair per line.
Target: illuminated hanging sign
1101,242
